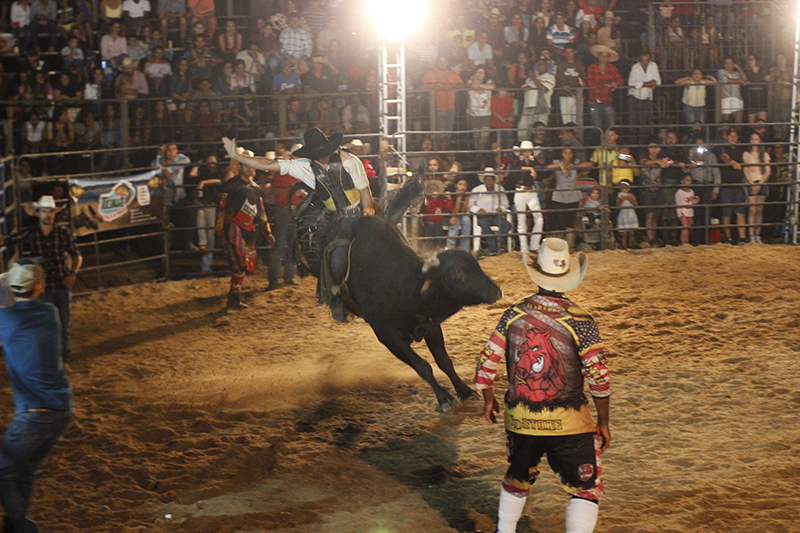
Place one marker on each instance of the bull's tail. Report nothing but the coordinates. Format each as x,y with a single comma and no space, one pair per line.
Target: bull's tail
401,199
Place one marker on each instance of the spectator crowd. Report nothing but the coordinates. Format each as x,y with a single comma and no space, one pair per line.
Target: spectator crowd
516,76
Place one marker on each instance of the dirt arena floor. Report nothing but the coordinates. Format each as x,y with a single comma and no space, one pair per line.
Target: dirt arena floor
188,419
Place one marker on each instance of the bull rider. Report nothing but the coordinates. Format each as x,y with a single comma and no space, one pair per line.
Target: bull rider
339,180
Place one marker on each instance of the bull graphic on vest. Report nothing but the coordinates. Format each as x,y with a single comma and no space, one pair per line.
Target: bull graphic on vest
538,371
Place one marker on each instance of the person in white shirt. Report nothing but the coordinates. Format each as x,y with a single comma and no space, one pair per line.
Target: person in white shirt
644,77
480,52
538,92
21,24
135,14
490,203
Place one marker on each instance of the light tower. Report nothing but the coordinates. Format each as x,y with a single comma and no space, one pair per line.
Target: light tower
395,21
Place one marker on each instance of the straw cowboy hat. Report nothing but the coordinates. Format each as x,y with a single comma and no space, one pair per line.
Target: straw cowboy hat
130,63
493,12
600,48
488,171
433,186
356,143
610,15
317,145
295,147
553,269
270,154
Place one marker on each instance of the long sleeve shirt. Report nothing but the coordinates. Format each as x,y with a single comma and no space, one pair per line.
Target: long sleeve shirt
111,48
490,202
296,44
54,247
597,79
20,15
550,346
639,76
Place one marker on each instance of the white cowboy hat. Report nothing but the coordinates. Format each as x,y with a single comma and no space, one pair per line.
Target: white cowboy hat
495,11
524,145
553,269
242,151
45,202
600,48
270,155
488,171
356,143
295,147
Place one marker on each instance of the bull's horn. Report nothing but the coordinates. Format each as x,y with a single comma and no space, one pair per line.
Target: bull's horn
430,264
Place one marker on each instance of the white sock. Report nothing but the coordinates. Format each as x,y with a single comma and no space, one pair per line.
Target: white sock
509,511
581,516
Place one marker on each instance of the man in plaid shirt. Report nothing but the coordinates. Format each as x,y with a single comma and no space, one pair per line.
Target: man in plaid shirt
602,78
62,260
550,345
296,43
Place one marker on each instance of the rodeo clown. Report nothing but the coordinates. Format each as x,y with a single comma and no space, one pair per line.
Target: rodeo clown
240,210
550,345
339,180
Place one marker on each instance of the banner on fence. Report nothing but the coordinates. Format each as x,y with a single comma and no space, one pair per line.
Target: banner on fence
114,203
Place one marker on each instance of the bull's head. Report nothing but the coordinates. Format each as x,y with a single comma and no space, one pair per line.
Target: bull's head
459,276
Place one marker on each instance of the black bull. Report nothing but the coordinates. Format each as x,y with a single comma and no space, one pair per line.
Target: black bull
403,298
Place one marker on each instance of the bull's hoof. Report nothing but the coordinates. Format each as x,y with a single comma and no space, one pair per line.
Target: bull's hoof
469,394
448,406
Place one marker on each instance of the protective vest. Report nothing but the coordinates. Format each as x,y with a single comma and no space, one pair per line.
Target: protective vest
335,185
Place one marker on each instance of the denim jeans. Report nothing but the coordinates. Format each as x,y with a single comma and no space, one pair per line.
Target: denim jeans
692,114
62,299
463,227
602,115
486,222
283,229
206,235
26,442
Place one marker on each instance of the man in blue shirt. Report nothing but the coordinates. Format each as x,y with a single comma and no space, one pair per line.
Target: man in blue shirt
30,331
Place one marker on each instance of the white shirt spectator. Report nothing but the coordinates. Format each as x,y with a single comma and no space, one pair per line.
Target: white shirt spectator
478,56
480,198
136,10
175,177
638,77
249,66
532,92
48,9
111,48
301,169
20,14
296,44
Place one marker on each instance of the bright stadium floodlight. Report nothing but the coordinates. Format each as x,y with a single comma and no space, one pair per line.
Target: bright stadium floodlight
397,18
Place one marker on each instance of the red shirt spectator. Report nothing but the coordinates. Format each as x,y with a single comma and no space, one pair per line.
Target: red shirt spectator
502,110
281,185
437,205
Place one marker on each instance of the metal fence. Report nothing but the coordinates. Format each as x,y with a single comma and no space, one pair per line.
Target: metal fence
158,252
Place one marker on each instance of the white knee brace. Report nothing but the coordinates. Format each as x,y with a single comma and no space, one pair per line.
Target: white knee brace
581,516
509,511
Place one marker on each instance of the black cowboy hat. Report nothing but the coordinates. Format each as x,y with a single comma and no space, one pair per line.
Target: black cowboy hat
317,145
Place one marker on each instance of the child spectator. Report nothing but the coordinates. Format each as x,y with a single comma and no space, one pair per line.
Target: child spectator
685,197
436,203
461,221
627,221
591,217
